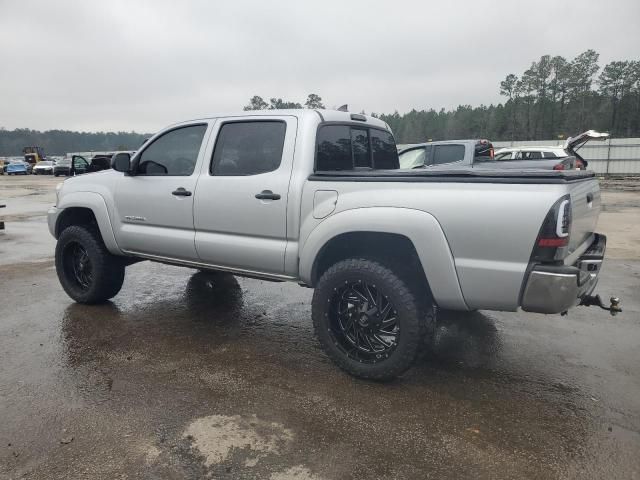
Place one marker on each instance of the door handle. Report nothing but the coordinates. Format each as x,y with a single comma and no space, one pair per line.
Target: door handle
181,192
267,195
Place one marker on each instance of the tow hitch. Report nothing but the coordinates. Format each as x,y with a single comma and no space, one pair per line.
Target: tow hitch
613,308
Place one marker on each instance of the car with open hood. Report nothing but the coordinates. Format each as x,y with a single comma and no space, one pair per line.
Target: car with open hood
559,157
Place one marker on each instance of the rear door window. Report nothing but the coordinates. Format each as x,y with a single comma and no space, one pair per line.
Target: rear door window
448,154
248,148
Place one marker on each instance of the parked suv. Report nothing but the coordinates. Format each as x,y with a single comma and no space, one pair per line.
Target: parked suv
317,198
449,153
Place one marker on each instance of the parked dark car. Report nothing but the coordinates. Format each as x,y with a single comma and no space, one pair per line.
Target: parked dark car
62,167
78,165
81,165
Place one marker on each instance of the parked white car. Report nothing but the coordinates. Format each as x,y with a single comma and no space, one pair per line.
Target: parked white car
538,152
45,167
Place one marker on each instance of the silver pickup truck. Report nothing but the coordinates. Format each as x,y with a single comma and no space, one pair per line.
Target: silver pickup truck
317,197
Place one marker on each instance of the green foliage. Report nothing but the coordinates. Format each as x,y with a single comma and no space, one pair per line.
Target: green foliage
256,103
553,98
279,104
60,142
314,101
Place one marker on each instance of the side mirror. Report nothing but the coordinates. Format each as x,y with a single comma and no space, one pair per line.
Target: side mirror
121,162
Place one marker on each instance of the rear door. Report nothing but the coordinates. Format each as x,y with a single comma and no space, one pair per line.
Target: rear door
240,209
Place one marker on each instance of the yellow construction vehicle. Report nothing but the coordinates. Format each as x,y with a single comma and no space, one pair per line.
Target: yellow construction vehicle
33,155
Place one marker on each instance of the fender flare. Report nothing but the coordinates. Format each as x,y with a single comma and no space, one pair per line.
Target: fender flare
421,228
94,202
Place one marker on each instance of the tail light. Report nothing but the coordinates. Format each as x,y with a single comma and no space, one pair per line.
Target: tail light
553,240
559,166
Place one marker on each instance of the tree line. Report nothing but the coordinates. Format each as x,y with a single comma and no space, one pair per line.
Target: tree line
59,142
554,98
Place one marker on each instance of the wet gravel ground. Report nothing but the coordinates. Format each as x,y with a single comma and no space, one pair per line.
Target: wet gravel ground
193,375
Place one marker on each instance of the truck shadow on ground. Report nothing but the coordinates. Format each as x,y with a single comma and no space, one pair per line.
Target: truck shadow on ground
463,339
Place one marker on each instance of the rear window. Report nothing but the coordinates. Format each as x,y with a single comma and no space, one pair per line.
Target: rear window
448,154
383,149
531,155
503,156
345,147
360,147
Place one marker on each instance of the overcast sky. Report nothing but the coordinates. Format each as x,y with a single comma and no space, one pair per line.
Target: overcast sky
141,65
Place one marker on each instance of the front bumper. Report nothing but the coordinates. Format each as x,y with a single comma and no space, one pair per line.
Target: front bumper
557,288
52,219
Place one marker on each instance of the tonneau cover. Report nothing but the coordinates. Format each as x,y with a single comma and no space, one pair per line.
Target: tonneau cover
456,175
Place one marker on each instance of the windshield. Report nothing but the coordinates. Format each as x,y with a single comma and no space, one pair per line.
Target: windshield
412,158
45,163
64,162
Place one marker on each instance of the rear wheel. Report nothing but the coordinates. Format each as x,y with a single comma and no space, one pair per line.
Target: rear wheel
86,269
368,319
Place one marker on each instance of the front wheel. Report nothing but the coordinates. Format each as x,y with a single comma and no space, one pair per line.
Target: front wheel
368,320
86,269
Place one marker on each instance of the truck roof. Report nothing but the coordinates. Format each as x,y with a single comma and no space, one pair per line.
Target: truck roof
320,115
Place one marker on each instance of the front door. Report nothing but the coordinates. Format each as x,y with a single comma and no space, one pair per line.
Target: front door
240,208
79,165
154,205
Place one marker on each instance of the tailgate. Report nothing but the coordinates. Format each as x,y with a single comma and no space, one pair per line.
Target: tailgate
585,209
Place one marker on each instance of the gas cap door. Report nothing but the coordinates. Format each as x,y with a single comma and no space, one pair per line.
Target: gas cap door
324,203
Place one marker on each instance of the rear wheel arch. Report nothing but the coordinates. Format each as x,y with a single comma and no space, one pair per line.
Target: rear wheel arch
393,250
418,230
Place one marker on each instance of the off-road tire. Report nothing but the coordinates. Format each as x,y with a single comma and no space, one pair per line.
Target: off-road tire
107,269
415,314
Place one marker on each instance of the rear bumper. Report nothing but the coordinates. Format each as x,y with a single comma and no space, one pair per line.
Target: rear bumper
557,288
